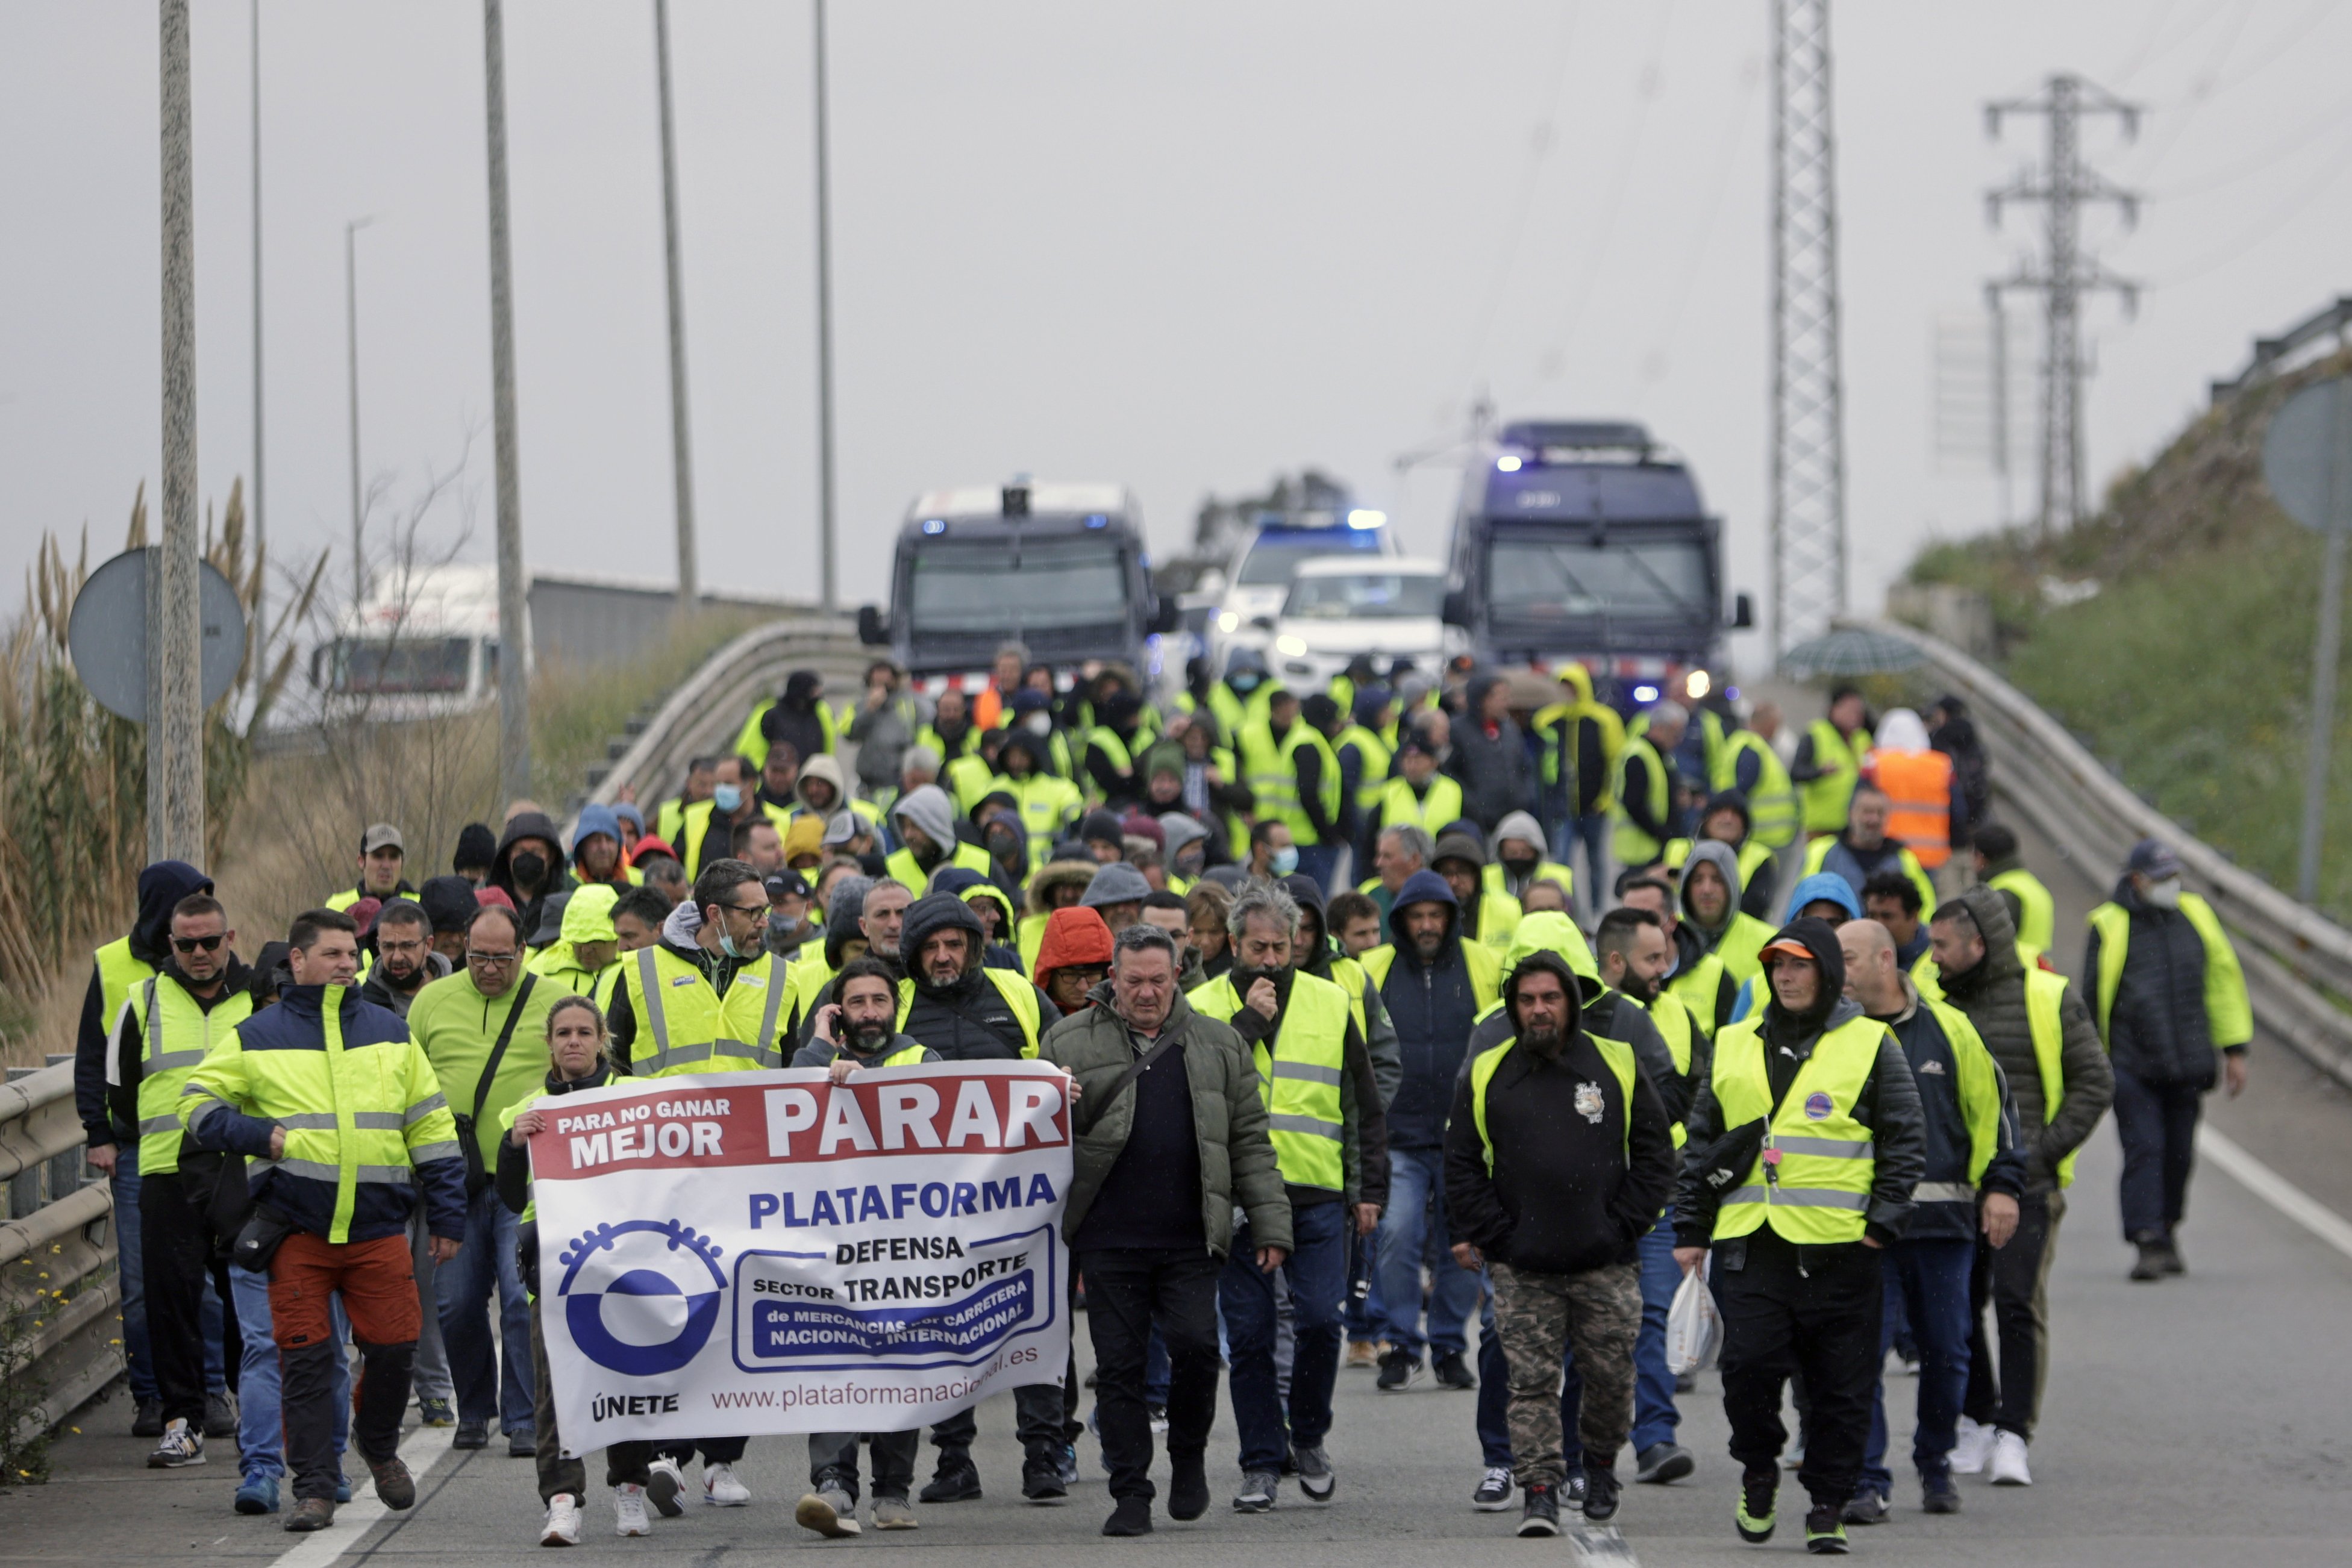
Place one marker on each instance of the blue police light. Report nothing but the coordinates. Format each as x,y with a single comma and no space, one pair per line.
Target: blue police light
1096,520
1365,517
1645,693
935,525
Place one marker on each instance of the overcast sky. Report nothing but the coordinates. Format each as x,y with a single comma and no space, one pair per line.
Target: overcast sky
1182,248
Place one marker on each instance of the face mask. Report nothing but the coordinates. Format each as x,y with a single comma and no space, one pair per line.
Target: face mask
1285,860
733,949
528,868
1003,842
2165,894
1242,684
727,798
780,930
1519,867
1037,723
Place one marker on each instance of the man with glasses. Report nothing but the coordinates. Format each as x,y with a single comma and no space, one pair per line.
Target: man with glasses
201,993
481,1027
707,996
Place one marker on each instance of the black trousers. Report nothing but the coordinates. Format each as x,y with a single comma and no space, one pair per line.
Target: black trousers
1038,1416
1127,1294
2158,1124
1791,1309
175,1251
2015,1281
833,1457
714,1450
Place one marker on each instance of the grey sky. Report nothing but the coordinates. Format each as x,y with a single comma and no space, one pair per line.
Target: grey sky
1182,248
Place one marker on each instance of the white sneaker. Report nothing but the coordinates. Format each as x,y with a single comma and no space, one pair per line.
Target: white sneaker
563,1526
182,1445
629,1510
721,1490
1972,1446
664,1484
2009,1461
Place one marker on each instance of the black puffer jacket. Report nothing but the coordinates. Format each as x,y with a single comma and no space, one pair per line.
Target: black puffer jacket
2158,1028
969,1019
1992,995
1495,774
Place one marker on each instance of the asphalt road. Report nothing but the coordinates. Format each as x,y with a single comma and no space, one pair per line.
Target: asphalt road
2191,1422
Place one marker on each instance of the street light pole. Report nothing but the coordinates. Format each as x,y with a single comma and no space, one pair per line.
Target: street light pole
826,543
175,752
352,362
514,629
261,644
681,449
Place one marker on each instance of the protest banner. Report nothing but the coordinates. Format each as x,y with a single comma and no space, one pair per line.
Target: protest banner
757,1252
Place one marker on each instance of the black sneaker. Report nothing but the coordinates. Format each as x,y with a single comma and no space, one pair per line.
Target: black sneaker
471,1435
1539,1514
1188,1487
1938,1495
148,1420
1825,1532
1399,1370
1867,1506
1452,1372
220,1414
1256,1495
1494,1493
2172,1263
953,1483
2149,1265
1599,1492
1042,1484
1662,1462
1132,1516
1754,1517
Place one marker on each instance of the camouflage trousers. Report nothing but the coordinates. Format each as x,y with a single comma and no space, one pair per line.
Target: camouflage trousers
1541,1317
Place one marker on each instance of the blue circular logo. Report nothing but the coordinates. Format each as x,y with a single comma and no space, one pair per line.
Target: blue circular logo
626,1303
1817,1107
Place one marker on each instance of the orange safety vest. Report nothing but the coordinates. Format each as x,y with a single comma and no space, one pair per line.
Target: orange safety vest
1918,786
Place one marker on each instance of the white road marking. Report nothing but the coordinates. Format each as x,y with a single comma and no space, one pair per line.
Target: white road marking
420,1453
2276,1190
1601,1545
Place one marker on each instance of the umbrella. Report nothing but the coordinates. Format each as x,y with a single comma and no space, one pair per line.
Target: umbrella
1851,652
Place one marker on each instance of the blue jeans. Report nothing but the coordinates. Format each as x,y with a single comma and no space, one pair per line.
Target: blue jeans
260,1420
1416,1208
1319,861
1592,832
1931,1279
487,1262
131,1270
1493,1416
1654,1416
1318,1275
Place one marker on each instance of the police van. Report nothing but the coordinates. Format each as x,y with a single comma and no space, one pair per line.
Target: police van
1061,568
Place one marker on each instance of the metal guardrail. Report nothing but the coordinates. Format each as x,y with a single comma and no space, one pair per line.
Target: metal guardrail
2327,328
2296,960
702,714
58,1237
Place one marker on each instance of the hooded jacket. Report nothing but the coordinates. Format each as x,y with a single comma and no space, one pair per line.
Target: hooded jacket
1072,936
928,807
1432,1007
1057,874
1611,1014
793,719
826,768
377,988
967,1019
1493,771
1992,995
1579,740
600,819
161,885
533,907
1888,1103
1377,1076
1578,1175
1946,1066
1741,936
967,885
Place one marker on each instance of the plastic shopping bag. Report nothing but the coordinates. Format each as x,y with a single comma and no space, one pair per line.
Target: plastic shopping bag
1693,1328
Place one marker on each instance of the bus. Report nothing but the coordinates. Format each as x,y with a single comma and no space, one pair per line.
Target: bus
1061,568
1587,539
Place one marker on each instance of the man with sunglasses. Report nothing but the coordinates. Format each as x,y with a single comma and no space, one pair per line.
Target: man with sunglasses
481,1028
707,996
198,996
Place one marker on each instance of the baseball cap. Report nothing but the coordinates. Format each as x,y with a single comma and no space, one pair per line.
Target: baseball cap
784,885
841,830
2153,858
381,836
1787,947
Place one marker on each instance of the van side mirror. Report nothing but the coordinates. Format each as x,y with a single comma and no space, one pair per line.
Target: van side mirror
871,629
1455,610
1261,622
1743,612
1167,615
318,659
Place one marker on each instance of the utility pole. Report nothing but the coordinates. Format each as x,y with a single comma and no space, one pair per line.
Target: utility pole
176,741
2063,186
260,643
826,539
352,362
514,627
681,448
1808,398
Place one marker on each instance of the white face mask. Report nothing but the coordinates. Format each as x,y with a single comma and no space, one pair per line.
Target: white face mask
2165,893
1037,723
